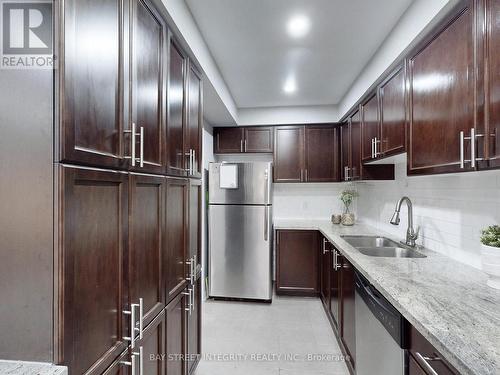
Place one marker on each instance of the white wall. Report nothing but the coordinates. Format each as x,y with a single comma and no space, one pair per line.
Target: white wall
414,21
451,209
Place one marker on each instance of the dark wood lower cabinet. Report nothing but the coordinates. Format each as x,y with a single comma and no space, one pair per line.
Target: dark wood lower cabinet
176,236
93,294
425,357
325,272
297,262
335,287
194,327
146,228
348,331
153,347
175,344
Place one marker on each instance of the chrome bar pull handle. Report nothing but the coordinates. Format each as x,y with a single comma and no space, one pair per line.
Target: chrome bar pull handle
131,312
141,317
241,145
141,160
193,269
139,354
373,148
462,137
307,175
424,362
133,133
195,164
133,363
245,145
324,246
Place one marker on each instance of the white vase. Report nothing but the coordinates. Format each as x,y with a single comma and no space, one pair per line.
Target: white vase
490,259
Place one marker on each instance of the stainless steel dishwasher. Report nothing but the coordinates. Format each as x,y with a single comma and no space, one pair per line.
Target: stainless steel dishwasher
381,333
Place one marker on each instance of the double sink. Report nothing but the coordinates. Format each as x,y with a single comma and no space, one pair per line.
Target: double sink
376,246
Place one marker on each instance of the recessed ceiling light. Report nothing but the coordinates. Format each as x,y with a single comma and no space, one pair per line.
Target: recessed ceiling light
290,86
298,26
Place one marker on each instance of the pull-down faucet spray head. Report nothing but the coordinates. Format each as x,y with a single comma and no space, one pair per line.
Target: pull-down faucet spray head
395,218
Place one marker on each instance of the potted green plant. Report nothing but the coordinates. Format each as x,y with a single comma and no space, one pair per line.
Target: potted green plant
347,197
490,254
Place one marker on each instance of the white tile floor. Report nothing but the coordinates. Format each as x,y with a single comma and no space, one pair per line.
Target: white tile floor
294,327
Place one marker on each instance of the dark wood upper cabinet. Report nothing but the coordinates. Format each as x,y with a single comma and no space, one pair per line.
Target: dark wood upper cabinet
345,150
146,228
91,82
195,123
148,44
370,137
228,140
321,153
93,295
348,288
490,142
175,239
355,146
289,154
258,139
442,90
175,345
176,102
393,114
297,262
237,140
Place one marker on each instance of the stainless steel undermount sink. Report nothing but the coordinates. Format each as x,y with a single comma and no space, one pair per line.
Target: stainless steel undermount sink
376,246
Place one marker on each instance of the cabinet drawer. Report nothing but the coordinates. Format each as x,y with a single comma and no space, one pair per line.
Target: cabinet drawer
426,355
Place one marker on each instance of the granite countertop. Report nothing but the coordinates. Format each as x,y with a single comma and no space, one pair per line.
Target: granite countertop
448,302
31,368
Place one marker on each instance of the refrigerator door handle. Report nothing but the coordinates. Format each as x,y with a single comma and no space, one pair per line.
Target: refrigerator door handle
266,186
266,223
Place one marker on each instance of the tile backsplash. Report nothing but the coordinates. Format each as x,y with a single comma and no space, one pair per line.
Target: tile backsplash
450,209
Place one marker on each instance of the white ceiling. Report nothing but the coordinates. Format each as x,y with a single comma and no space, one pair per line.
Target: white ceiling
255,55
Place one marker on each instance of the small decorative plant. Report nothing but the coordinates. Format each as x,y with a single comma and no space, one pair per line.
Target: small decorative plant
490,236
347,196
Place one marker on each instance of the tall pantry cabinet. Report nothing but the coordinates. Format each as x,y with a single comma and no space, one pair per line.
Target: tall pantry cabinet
124,292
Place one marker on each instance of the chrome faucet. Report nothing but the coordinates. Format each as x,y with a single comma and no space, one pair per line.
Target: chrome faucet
411,235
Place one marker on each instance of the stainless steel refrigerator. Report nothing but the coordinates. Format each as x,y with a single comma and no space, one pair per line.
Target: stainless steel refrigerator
240,230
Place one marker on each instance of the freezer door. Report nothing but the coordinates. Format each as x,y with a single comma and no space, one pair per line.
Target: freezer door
253,184
240,251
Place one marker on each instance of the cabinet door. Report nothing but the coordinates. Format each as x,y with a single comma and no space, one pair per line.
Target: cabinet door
176,233
148,82
492,83
345,150
119,366
228,140
421,349
370,128
348,288
325,272
259,139
355,171
93,228
297,262
442,96
153,348
414,368
91,104
335,279
321,153
195,206
194,327
146,223
175,340
176,101
195,123
289,154
393,114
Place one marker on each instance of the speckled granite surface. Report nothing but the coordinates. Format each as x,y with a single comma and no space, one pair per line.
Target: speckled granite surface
30,368
447,301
